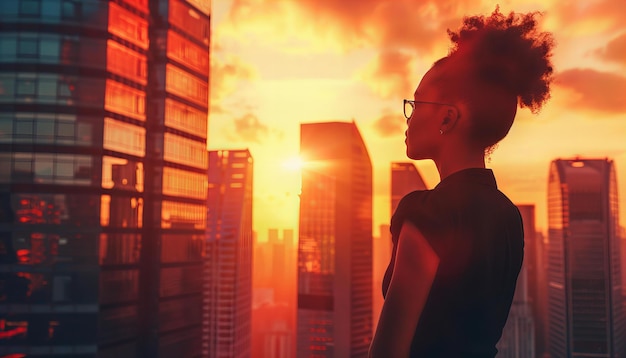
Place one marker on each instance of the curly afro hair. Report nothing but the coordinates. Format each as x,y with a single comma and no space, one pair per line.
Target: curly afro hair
509,53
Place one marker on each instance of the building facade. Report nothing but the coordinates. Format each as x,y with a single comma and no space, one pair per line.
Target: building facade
518,335
335,243
585,309
103,118
405,178
228,271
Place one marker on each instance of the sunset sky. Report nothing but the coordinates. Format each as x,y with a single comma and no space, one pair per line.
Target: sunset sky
278,63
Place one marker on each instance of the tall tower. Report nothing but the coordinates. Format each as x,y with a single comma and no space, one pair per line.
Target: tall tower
103,118
228,270
405,178
586,315
518,335
335,245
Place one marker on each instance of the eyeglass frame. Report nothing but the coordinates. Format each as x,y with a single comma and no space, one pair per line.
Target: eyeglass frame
413,102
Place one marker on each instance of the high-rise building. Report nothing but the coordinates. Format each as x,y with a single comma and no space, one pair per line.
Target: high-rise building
381,253
405,178
274,320
228,272
518,335
335,242
103,121
585,310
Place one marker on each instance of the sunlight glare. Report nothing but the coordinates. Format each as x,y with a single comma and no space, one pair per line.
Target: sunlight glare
294,164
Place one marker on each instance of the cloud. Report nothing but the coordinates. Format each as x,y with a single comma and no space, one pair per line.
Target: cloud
614,51
226,75
389,124
250,129
589,16
594,90
409,29
388,76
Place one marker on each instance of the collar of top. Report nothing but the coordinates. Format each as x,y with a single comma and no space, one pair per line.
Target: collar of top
482,176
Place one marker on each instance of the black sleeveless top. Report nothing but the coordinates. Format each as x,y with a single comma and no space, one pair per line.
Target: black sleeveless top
478,235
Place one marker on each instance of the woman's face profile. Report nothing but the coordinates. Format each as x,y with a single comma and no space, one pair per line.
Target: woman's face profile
422,134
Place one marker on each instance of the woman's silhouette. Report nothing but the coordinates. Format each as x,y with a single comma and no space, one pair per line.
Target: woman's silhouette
458,248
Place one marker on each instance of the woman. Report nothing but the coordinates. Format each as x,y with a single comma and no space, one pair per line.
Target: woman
458,248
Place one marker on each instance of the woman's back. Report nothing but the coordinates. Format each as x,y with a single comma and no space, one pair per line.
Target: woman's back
477,233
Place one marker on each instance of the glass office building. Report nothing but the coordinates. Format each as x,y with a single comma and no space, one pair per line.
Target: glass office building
585,309
228,270
103,118
335,243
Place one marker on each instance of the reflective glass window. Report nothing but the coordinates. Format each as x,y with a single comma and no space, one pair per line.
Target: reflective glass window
189,20
183,215
128,26
121,211
125,100
180,312
186,85
182,248
65,209
180,280
28,47
6,127
188,53
185,151
125,62
185,118
50,9
179,182
49,47
124,137
5,167
30,8
8,47
7,88
26,86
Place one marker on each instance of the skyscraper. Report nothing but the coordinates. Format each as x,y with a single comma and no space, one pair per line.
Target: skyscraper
405,178
103,118
518,335
228,270
586,314
335,242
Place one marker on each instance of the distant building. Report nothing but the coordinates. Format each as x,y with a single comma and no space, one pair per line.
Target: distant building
518,335
274,320
405,178
382,256
228,271
586,313
335,243
103,134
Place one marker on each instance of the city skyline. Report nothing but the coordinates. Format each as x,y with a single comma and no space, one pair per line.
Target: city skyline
278,64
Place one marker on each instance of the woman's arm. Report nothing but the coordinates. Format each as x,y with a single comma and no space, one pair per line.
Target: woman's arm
413,275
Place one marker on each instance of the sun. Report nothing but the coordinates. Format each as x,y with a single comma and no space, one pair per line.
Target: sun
294,164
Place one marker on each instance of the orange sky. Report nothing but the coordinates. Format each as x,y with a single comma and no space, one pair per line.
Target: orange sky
278,63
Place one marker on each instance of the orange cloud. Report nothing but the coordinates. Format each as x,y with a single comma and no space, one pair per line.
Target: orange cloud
250,129
389,125
388,76
614,51
225,77
605,14
599,91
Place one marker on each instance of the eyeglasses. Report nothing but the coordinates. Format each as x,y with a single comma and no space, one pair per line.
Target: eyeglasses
409,106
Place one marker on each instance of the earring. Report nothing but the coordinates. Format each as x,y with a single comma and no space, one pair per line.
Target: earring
441,131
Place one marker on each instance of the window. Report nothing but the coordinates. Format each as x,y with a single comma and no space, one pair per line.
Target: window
27,47
179,182
124,137
185,151
183,215
188,20
125,62
125,100
186,85
185,118
188,53
30,8
128,26
26,87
